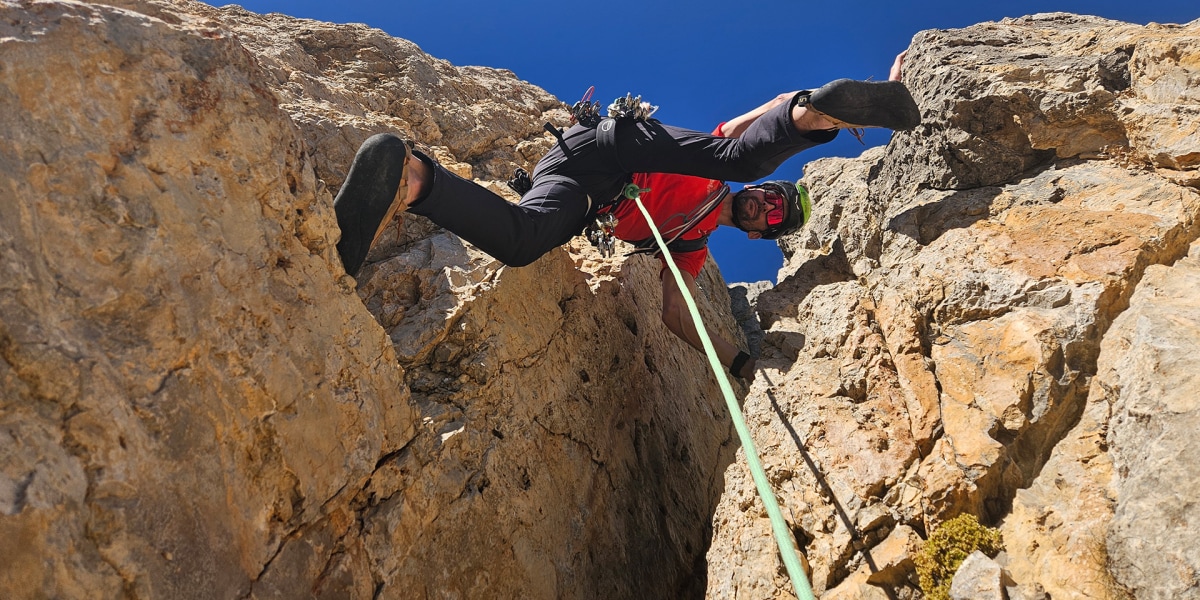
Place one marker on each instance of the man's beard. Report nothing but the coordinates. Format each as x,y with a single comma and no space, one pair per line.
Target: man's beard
740,200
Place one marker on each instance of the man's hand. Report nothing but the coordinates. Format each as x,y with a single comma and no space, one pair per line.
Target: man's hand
897,67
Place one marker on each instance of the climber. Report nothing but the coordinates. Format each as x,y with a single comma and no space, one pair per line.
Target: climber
580,178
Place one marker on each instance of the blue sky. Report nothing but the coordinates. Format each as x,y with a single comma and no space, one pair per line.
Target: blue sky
701,61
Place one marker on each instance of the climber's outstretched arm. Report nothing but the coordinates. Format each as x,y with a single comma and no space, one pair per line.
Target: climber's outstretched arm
677,318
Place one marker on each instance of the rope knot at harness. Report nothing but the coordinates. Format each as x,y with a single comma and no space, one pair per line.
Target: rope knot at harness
632,191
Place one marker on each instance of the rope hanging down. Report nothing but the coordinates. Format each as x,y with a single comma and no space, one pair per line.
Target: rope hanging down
783,536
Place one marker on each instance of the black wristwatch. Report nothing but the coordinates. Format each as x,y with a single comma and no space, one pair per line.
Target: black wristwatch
739,361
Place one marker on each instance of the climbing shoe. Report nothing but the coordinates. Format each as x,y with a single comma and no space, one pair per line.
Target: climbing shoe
374,191
852,104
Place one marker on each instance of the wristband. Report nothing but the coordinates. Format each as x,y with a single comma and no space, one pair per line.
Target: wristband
739,361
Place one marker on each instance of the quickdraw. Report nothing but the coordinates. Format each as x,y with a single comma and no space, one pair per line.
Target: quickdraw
602,232
586,112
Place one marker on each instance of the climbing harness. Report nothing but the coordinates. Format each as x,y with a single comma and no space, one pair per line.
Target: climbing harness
783,536
629,107
586,112
601,231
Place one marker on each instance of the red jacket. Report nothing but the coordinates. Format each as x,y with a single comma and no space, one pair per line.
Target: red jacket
670,200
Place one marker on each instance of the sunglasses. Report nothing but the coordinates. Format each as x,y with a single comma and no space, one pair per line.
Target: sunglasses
778,210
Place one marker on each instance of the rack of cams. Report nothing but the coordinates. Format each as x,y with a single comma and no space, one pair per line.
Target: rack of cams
631,107
587,113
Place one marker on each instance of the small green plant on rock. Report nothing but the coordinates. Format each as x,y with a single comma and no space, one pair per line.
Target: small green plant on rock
946,549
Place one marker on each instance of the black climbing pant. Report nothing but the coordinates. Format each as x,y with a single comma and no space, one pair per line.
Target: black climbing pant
574,178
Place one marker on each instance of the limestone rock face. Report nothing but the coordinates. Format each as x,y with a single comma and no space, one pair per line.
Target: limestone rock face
1150,376
942,337
198,402
187,381
979,578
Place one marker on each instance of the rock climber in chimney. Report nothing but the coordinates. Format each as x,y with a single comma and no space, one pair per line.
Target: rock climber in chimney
585,176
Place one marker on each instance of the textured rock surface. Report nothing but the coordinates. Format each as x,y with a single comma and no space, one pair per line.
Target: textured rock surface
187,382
992,314
1150,376
978,578
931,345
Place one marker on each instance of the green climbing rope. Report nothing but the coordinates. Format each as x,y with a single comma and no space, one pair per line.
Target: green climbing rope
783,536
